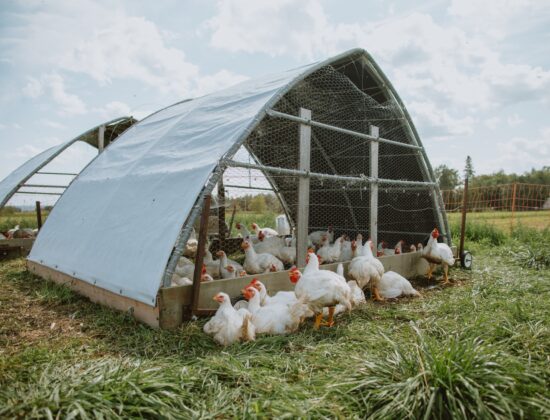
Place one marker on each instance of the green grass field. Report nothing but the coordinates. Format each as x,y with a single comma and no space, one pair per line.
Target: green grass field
503,219
477,349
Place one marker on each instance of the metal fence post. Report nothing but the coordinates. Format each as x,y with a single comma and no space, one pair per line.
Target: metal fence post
463,224
302,230
374,131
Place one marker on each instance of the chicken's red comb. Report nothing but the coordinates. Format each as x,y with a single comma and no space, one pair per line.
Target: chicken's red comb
203,270
254,281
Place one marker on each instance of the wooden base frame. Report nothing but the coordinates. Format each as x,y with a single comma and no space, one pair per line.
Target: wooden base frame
173,303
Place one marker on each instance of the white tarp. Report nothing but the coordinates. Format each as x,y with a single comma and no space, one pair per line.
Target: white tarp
11,183
117,223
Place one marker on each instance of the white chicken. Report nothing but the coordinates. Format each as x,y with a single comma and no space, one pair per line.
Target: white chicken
245,233
438,253
319,289
357,295
191,245
283,297
393,285
317,236
330,253
275,319
347,252
224,262
255,263
366,269
269,244
184,268
229,325
412,248
419,246
178,280
212,266
268,232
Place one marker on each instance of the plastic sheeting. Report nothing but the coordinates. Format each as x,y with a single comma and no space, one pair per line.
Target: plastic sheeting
117,223
10,184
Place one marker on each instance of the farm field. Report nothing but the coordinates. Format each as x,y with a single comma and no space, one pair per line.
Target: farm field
503,219
477,349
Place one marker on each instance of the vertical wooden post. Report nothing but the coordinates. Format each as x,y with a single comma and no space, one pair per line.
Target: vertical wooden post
302,221
221,213
199,258
101,139
374,131
38,215
463,223
513,202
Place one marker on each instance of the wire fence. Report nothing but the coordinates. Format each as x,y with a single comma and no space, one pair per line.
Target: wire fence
505,197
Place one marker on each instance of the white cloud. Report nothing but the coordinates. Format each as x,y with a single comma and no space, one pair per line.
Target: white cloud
437,123
256,26
113,110
53,124
33,88
533,152
53,85
514,120
492,123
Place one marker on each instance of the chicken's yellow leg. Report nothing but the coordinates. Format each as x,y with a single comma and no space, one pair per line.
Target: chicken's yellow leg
430,271
318,319
376,294
330,321
446,276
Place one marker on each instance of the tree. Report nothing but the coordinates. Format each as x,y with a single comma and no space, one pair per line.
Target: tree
447,178
257,204
469,168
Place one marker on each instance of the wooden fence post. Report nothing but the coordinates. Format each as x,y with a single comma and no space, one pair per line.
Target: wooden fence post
38,215
513,203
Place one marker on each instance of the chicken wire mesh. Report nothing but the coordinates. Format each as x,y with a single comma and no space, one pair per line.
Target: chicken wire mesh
339,98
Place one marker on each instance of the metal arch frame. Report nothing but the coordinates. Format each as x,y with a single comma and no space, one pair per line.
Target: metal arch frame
214,176
80,137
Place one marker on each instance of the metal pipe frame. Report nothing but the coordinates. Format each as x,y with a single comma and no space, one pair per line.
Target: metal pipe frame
56,173
43,186
277,114
37,193
348,179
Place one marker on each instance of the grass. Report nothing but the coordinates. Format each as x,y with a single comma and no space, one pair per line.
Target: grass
478,349
23,219
503,220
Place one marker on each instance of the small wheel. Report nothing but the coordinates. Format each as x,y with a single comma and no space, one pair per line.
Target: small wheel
466,260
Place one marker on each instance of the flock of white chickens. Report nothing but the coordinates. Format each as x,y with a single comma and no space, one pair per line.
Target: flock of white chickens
317,292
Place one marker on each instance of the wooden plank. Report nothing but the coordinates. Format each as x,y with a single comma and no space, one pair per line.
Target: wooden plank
172,304
302,220
373,131
200,252
142,312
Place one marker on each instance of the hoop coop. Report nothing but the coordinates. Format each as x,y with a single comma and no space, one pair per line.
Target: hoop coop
331,141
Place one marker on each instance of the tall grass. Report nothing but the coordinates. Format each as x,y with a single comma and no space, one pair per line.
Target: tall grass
451,378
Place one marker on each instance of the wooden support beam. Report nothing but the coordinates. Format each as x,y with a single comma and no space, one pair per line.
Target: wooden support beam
203,229
222,231
374,132
38,215
302,220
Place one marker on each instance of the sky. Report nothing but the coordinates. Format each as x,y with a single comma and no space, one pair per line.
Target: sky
475,76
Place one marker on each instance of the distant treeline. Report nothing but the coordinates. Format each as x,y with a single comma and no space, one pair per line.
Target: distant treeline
256,203
450,179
